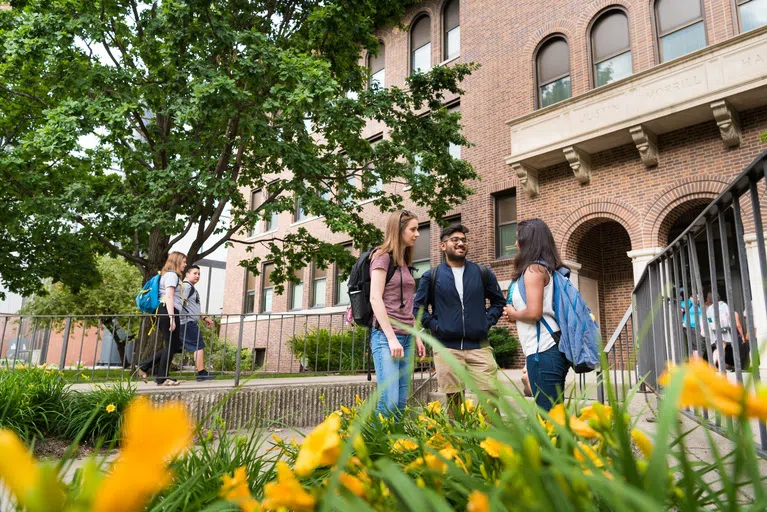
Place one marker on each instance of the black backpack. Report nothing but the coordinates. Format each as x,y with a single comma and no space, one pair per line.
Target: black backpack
359,289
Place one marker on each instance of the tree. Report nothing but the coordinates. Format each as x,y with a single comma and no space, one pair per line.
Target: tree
113,295
127,124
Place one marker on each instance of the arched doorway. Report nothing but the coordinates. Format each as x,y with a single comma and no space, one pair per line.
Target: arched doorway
605,279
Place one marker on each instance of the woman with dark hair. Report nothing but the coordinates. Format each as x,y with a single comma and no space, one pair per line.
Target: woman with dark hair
537,257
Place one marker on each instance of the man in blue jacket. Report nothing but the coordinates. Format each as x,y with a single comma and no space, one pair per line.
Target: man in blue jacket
459,317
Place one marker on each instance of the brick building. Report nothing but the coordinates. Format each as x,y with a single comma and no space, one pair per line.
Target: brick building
613,121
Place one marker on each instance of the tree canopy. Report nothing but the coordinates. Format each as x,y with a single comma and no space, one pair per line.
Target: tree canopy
126,124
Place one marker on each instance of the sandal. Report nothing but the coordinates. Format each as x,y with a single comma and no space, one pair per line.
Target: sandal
170,382
526,389
141,374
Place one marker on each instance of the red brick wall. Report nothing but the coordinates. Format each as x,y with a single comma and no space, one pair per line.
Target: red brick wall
502,37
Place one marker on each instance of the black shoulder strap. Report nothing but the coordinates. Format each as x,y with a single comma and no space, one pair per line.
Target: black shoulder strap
432,287
485,273
392,268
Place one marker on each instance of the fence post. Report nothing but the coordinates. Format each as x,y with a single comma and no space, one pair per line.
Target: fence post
65,343
238,362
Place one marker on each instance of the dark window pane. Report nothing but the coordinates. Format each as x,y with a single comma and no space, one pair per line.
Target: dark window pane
423,244
507,237
683,42
676,13
555,92
267,273
614,69
377,62
420,33
507,209
753,14
250,302
300,214
610,35
452,15
553,60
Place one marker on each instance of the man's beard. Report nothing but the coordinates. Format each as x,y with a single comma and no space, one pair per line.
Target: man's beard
452,256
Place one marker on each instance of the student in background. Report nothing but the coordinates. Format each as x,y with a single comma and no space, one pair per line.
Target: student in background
170,306
191,315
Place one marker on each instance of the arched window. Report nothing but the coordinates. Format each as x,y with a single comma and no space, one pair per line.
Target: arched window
680,27
553,70
377,66
451,21
751,14
420,45
610,48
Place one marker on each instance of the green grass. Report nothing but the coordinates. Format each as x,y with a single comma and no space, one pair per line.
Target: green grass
86,376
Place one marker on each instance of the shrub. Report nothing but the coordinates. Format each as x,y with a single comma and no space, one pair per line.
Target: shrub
223,357
319,350
505,346
31,400
96,415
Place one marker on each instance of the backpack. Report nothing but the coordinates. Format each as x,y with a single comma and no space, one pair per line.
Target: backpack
579,333
483,271
148,299
359,289
191,294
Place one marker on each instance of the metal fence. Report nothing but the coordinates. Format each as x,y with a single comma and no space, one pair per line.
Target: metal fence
111,348
674,318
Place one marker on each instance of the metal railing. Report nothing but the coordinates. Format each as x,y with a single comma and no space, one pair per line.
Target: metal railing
94,348
620,355
674,319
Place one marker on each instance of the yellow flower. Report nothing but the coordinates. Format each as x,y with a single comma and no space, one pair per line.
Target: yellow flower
467,406
277,439
287,492
235,489
357,400
346,410
703,386
353,484
321,447
111,408
434,407
495,448
17,467
578,426
84,377
585,452
437,441
404,445
152,436
429,422
478,502
643,442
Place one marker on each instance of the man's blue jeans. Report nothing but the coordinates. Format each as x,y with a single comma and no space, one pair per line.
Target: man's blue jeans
547,376
392,375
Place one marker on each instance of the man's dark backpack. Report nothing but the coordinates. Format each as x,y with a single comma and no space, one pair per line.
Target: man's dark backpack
483,271
359,289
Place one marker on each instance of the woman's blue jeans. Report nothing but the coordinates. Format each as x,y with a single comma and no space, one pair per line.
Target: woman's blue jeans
547,376
392,375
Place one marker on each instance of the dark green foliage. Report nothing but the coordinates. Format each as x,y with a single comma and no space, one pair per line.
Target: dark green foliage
321,351
31,400
86,413
505,346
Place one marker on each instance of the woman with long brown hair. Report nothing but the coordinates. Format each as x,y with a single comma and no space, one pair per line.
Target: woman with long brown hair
171,304
392,347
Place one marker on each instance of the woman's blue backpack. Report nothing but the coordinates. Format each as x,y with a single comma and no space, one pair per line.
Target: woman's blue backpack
148,299
579,338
